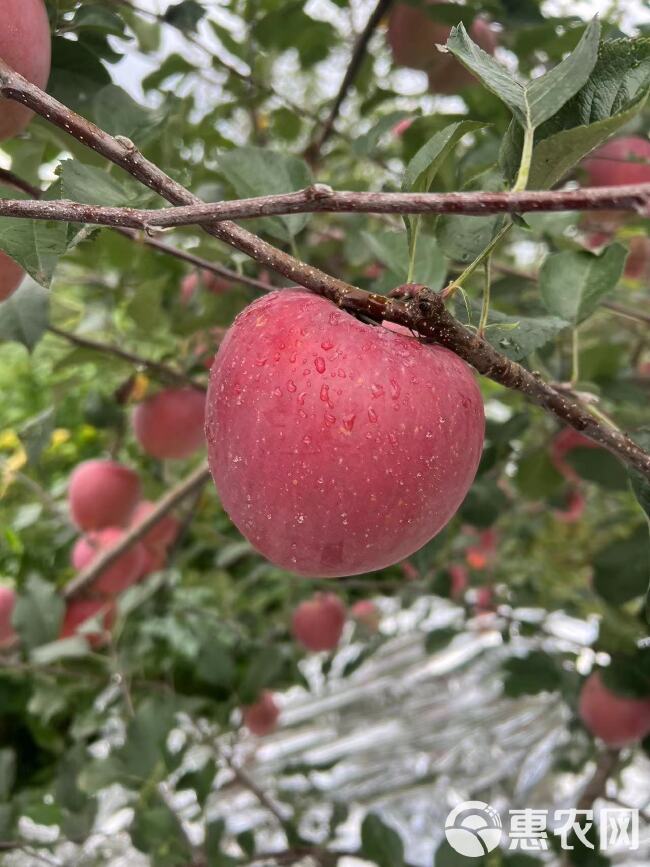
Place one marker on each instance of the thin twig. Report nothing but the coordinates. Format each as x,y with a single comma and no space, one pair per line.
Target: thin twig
320,198
192,259
10,179
157,368
351,73
172,498
249,783
426,316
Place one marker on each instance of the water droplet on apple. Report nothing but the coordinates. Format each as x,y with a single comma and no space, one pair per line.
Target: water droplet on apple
291,386
372,415
319,364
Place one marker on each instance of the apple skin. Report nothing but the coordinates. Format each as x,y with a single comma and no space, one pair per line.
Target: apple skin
191,283
170,423
637,265
261,718
615,719
317,623
126,570
102,494
80,610
567,440
11,274
413,37
7,603
459,580
25,44
163,533
366,612
338,447
624,160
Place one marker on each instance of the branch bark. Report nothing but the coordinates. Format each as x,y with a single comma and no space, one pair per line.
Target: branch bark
172,498
351,73
427,317
320,198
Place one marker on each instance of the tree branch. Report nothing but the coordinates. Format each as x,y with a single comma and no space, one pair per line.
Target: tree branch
172,498
426,317
197,261
10,179
320,198
159,370
351,73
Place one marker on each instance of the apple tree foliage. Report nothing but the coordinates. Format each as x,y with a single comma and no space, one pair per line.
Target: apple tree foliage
227,99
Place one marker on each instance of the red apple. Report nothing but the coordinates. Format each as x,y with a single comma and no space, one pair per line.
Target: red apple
338,447
567,440
170,424
459,580
484,600
575,507
26,46
613,718
366,612
482,554
11,274
637,265
624,160
163,533
402,125
126,570
261,718
413,37
318,623
79,611
206,279
409,571
102,494
7,603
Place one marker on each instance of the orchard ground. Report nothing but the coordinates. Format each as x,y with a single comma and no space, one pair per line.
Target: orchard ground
317,524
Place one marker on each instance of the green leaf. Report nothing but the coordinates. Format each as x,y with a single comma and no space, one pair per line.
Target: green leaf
640,484
35,434
367,143
529,675
391,249
261,668
517,337
421,170
7,772
573,282
24,316
599,467
38,613
68,648
174,64
556,155
185,15
158,832
145,747
538,100
36,245
380,843
463,238
622,568
439,638
255,171
536,477
89,185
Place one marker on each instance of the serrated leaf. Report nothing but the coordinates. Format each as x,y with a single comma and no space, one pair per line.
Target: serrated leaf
573,282
89,185
538,100
258,172
38,613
